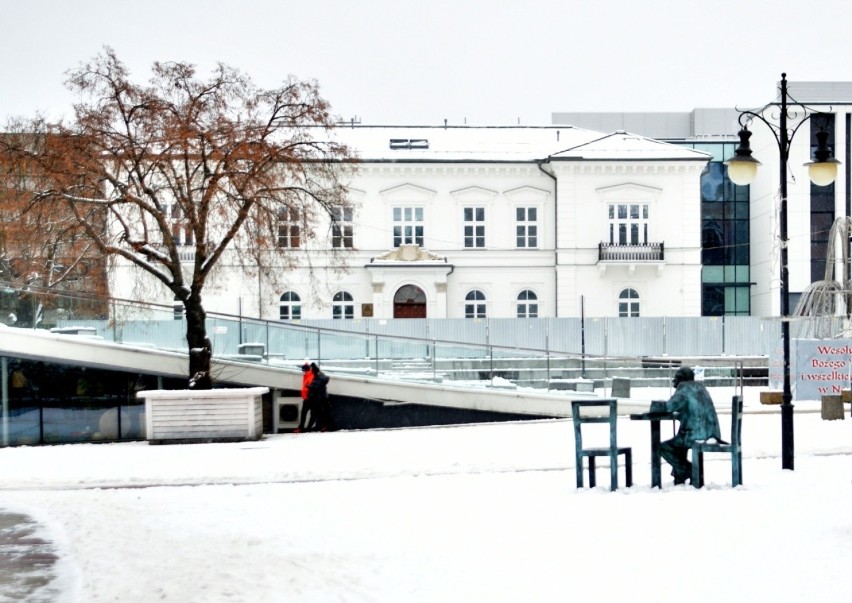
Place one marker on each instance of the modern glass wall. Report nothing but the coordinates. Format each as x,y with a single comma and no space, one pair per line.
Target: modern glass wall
725,259
49,403
822,201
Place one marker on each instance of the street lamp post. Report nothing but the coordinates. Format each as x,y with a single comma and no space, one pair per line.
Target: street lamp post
742,169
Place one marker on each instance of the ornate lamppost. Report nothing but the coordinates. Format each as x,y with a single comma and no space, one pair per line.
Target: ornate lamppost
742,169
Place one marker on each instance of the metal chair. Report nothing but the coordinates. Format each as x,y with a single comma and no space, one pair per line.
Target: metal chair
734,448
612,451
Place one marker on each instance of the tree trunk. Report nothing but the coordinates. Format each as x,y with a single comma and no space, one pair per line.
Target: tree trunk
200,348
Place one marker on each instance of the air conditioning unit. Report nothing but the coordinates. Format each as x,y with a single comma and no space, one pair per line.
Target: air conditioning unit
286,412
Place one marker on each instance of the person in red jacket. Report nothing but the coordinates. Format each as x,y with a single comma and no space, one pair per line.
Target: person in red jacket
307,377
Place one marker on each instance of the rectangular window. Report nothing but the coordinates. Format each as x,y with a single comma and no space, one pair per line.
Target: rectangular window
527,310
628,309
341,311
181,232
526,227
474,310
342,228
628,224
289,227
474,227
407,226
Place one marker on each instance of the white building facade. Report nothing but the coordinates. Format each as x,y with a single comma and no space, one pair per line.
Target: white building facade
811,210
497,222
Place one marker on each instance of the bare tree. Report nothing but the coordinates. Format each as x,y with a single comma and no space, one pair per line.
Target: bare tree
185,163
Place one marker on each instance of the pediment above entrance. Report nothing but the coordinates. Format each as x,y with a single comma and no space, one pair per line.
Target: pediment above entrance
409,254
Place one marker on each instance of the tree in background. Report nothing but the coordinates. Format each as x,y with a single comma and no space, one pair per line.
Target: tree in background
185,170
46,261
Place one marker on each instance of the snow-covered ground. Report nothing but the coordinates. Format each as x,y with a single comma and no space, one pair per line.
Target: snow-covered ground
472,513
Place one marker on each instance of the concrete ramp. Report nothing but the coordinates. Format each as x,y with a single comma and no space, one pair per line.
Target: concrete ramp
81,350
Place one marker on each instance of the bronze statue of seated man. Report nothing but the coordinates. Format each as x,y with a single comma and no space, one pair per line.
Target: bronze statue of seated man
698,421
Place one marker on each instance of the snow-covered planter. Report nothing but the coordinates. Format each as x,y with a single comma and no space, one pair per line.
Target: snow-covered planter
213,415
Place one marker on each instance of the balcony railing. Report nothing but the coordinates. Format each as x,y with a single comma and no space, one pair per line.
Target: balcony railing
649,252
186,254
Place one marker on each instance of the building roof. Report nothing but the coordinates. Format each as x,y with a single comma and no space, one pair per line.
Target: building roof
624,146
698,124
478,144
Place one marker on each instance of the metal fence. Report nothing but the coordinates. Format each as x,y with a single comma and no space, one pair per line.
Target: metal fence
160,326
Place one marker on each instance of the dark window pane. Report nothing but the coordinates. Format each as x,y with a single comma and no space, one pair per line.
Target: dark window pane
713,300
740,253
713,183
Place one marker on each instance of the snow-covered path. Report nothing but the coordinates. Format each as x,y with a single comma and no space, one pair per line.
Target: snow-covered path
473,513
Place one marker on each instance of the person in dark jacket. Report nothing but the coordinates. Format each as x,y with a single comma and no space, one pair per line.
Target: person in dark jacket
698,421
307,377
318,400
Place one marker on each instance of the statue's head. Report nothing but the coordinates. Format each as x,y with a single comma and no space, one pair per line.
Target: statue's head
684,373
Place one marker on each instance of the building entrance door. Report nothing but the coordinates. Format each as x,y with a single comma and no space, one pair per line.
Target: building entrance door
409,301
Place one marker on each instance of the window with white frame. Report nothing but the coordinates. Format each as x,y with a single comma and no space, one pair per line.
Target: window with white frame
526,227
341,227
474,304
178,225
290,307
342,305
289,227
474,227
407,226
527,304
628,223
628,303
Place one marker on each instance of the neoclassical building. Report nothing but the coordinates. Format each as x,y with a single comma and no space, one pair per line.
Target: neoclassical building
740,225
499,222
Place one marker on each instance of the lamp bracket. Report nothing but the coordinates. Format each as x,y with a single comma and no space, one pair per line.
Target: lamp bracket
778,112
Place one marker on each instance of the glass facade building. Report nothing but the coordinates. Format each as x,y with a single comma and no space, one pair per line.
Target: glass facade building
725,276
726,279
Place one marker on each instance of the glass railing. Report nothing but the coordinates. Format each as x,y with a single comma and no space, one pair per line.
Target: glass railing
353,348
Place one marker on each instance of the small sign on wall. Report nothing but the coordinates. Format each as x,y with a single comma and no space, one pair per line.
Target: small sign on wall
367,310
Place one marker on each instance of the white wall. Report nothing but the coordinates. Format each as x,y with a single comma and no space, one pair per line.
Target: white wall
563,267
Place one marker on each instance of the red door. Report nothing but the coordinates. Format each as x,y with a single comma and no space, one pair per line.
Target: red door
409,310
409,301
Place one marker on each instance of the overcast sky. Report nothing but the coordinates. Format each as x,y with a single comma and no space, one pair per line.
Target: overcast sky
420,62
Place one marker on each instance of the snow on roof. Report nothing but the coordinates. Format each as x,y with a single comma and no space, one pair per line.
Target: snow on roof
623,145
502,144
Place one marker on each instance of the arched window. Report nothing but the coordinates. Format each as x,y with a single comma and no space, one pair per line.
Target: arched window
291,306
342,306
628,303
527,304
474,306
